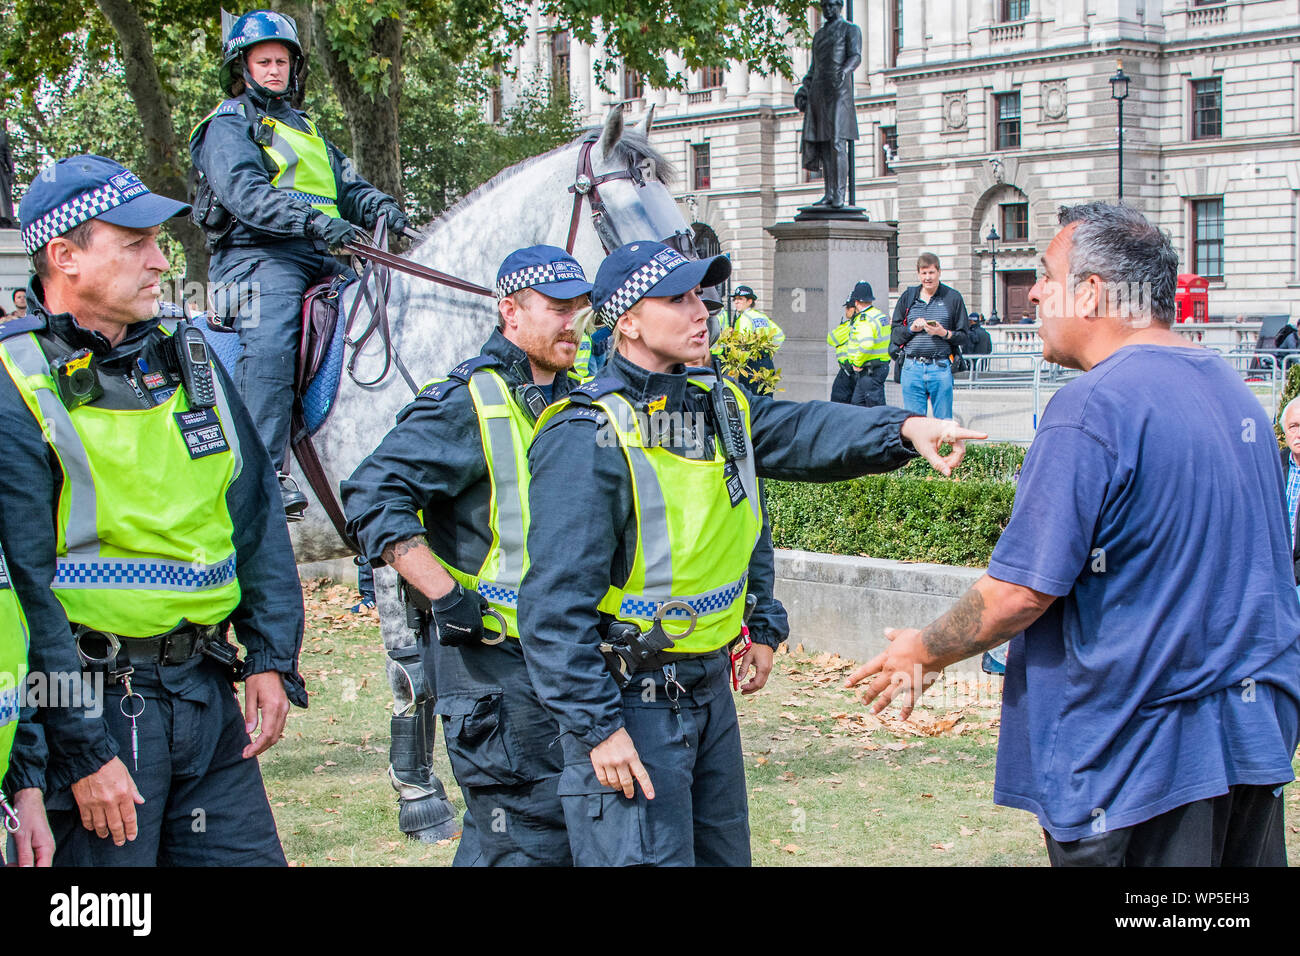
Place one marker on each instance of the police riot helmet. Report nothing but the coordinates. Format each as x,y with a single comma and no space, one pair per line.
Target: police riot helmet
259,26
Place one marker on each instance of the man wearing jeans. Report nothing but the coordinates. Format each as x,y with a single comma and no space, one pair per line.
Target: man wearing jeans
929,324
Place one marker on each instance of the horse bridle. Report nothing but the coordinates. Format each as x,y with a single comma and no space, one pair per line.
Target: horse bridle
586,185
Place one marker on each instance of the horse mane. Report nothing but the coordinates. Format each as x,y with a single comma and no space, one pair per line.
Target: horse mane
631,147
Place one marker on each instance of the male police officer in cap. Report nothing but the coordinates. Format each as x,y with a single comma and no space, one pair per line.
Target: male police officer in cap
274,198
151,524
626,615
861,344
458,455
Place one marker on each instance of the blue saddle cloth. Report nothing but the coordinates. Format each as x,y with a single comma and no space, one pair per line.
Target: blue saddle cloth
321,391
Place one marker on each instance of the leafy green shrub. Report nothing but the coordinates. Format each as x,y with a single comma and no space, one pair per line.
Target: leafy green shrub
913,514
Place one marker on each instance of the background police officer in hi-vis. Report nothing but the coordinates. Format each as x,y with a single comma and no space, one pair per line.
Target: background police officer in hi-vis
458,457
151,525
861,344
274,197
22,806
660,466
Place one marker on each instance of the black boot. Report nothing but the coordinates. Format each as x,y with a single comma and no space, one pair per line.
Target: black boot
295,502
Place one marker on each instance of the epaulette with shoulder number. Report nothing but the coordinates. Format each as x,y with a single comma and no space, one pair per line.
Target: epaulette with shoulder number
25,323
598,387
457,377
230,107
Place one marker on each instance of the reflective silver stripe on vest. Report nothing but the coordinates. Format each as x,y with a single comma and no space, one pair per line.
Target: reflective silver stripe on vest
656,547
84,566
505,478
143,574
286,178
82,533
710,602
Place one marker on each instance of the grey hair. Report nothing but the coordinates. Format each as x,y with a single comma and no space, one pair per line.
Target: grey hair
1135,260
1294,403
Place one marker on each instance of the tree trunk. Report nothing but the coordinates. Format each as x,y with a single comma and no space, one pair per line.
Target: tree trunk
372,120
166,162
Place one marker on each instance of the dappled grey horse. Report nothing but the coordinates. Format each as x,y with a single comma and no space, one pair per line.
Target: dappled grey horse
434,327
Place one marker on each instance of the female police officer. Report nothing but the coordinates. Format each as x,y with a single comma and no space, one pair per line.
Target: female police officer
660,464
274,198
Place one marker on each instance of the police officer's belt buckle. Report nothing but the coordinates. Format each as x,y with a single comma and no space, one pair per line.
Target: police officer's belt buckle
500,620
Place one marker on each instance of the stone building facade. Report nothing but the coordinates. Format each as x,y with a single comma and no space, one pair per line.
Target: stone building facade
979,114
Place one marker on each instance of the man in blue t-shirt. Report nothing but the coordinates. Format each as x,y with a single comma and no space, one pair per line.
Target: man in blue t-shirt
1152,695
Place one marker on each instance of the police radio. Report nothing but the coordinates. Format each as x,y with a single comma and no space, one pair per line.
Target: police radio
76,379
196,372
728,421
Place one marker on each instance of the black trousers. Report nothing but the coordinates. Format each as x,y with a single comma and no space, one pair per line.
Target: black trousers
1241,828
869,389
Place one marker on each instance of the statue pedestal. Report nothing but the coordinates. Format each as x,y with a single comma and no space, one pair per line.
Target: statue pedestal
817,264
14,266
818,213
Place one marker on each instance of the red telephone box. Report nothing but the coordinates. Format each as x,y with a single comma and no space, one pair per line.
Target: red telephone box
1193,298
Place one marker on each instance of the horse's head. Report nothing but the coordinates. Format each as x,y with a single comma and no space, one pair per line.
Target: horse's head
629,182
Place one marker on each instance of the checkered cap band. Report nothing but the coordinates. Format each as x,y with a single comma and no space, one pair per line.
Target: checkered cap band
526,278
633,289
71,214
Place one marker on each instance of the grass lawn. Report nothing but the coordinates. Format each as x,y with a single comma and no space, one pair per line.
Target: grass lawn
829,784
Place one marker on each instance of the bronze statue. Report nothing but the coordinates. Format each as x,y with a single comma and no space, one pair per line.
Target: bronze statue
7,218
826,99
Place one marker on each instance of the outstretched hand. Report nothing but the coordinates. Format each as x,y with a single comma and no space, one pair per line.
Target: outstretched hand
900,670
927,434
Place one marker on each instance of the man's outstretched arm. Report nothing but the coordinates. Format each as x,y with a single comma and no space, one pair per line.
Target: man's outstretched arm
987,615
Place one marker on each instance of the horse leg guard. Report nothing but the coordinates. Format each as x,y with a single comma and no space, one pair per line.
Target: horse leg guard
424,813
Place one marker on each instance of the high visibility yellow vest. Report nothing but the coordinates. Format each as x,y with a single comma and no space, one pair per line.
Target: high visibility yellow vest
749,321
861,339
301,159
13,662
692,544
144,536
506,432
582,361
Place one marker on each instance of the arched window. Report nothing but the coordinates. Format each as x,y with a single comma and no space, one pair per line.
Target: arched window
706,240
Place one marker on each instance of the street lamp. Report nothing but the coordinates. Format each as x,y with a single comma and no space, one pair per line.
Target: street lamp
1119,93
993,238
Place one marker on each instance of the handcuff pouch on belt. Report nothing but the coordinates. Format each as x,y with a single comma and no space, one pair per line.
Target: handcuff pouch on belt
628,650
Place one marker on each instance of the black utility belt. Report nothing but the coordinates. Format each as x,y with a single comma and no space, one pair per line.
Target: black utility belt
661,659
117,655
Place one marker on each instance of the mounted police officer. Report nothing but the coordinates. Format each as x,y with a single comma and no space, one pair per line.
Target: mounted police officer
626,615
861,344
150,523
274,197
458,458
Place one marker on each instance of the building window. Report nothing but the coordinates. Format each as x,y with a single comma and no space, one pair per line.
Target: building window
891,249
560,62
812,175
1015,222
712,77
633,87
888,149
1207,237
700,166
706,240
1207,108
1008,121
1013,10
498,106
896,32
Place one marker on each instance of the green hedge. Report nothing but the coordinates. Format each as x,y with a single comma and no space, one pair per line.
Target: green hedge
913,514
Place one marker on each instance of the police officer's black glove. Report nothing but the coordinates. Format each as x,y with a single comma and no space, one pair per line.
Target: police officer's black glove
333,232
458,615
397,221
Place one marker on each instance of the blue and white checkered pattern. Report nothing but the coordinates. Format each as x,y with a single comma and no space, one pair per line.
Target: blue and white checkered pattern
639,606
71,214
632,290
151,575
526,278
8,705
310,199
498,594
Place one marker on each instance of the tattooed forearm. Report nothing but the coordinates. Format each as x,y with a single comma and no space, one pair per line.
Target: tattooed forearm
957,634
401,548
